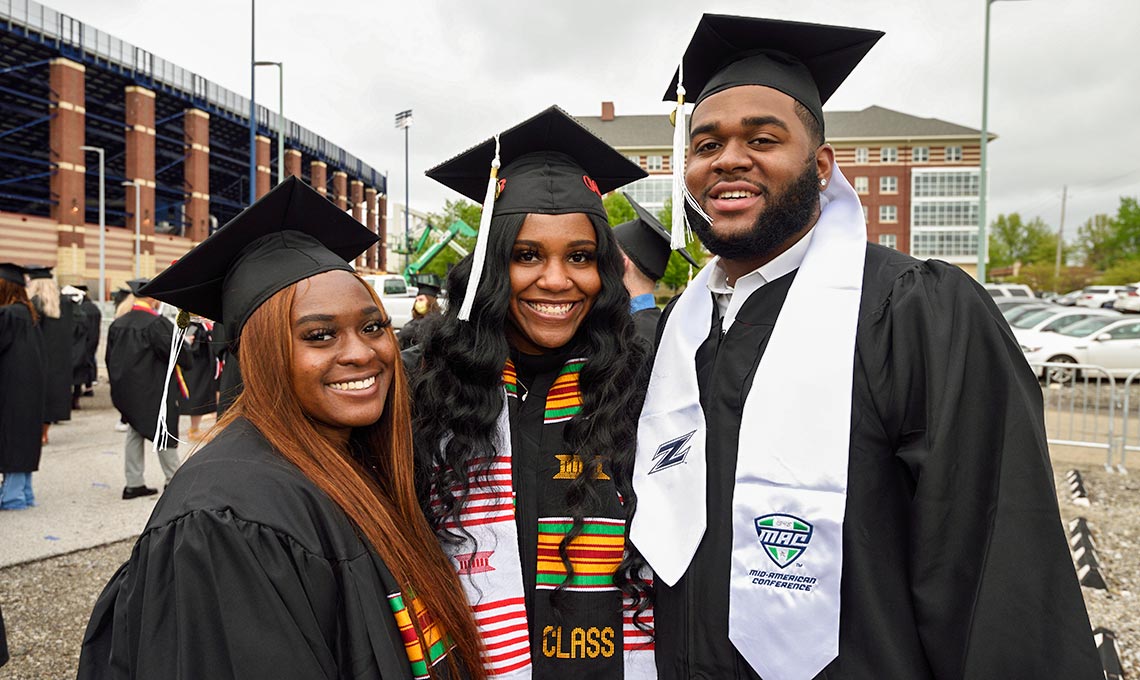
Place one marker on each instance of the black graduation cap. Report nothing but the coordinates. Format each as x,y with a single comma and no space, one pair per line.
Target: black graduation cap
805,61
12,272
429,285
645,241
291,233
135,285
38,271
551,165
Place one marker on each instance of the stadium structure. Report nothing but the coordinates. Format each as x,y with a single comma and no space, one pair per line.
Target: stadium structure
175,151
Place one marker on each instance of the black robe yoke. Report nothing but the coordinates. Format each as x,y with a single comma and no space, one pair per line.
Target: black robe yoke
955,563
22,385
138,348
246,571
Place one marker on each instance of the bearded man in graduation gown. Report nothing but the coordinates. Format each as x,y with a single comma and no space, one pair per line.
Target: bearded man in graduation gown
138,347
842,465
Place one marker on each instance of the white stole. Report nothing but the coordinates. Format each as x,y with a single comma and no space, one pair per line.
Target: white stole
791,471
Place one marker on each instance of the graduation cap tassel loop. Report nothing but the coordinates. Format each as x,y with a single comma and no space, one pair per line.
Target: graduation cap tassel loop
678,231
162,434
481,242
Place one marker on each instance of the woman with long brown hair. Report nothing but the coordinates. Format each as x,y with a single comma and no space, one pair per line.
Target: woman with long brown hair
21,390
290,545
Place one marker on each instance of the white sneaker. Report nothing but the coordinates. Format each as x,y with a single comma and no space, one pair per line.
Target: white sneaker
121,427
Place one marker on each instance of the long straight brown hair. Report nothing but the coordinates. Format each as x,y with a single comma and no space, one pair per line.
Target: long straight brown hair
12,293
373,483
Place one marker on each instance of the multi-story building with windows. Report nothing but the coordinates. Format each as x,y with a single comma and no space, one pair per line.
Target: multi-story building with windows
917,178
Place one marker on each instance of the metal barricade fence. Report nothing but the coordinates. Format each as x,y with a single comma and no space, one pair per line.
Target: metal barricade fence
1082,407
1130,427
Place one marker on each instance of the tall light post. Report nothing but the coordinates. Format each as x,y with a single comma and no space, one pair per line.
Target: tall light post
138,225
983,244
102,224
404,120
280,115
252,102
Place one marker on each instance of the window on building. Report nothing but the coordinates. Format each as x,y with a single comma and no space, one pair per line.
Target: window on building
654,163
861,185
888,214
945,213
866,214
947,243
651,192
920,154
889,240
888,185
635,159
862,154
929,184
953,154
889,154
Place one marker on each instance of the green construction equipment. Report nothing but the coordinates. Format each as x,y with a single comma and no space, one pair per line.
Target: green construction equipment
447,236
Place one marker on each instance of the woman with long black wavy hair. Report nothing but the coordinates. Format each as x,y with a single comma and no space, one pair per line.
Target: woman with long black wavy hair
526,401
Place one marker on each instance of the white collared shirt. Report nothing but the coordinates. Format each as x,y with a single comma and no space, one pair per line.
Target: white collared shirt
729,299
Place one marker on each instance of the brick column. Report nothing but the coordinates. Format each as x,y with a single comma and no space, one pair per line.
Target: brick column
318,176
340,189
140,168
263,176
356,202
293,163
370,205
382,232
196,173
66,135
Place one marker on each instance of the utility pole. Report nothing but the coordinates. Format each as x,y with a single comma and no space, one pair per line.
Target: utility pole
1060,240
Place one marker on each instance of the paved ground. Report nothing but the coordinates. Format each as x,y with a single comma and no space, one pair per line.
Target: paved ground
79,489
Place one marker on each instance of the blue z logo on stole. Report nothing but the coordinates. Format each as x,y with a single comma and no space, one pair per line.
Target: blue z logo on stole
784,537
671,453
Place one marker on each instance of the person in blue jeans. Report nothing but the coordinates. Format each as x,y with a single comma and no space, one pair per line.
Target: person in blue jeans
21,390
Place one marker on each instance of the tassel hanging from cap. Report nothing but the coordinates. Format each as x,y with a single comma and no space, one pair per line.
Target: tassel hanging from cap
481,240
162,435
679,230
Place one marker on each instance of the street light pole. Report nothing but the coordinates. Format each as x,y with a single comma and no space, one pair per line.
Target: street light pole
252,102
102,224
280,115
138,226
404,120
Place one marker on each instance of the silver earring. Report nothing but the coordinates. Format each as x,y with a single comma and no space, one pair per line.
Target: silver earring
822,182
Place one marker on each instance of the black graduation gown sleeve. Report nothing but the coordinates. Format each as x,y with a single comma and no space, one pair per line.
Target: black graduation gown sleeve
993,586
245,572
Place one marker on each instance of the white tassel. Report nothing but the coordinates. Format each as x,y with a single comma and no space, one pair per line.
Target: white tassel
162,434
679,231
481,241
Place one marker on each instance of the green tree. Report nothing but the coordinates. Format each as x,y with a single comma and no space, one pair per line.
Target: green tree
460,209
678,270
618,209
1094,239
1107,241
1040,277
1015,240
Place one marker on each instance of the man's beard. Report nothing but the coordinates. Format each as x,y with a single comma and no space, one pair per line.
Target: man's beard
785,215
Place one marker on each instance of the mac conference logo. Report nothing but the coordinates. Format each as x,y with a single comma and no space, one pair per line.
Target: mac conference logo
784,537
671,453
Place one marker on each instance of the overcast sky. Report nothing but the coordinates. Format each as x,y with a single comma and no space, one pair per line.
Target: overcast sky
1064,74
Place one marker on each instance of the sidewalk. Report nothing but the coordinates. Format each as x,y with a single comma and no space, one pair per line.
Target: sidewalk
79,488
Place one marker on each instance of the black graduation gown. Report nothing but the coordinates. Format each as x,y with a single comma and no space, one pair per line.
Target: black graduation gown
246,570
955,564
58,335
200,381
417,330
22,388
645,323
138,348
582,638
86,370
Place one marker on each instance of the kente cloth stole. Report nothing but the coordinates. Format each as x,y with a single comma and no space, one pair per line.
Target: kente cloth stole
438,642
790,490
489,563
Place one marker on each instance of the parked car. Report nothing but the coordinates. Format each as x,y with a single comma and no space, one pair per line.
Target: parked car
396,296
1007,290
1053,319
1069,299
1099,296
1109,342
1006,304
1129,299
1014,313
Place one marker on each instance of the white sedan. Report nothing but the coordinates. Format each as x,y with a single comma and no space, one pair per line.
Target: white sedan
1113,343
1053,319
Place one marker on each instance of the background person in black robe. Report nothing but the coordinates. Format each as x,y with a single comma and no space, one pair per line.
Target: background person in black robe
229,382
57,322
138,345
21,390
955,564
290,544
425,313
87,371
201,378
550,337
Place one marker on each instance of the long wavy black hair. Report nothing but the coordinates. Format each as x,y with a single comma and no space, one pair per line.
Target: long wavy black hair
457,395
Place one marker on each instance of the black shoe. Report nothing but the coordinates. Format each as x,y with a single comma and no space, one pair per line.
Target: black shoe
130,492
